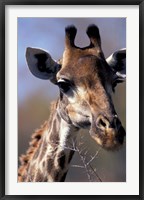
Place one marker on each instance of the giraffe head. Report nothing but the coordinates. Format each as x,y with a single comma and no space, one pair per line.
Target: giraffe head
86,81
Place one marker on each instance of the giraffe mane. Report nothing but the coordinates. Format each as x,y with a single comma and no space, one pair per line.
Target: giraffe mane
33,146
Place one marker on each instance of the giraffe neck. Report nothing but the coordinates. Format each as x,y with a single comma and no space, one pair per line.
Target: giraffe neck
51,160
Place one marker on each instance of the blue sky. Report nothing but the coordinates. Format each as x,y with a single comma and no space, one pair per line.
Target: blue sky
48,34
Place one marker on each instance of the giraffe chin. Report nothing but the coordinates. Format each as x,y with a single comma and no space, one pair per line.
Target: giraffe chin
110,140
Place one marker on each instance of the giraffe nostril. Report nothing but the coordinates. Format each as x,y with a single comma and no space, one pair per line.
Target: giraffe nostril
102,123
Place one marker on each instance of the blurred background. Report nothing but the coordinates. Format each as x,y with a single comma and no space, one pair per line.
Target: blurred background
35,95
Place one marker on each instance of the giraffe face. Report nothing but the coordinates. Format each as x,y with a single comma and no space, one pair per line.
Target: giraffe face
86,85
86,81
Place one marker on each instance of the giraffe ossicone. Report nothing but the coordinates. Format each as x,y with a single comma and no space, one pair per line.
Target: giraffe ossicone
86,81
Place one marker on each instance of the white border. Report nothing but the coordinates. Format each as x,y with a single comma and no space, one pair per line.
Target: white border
131,187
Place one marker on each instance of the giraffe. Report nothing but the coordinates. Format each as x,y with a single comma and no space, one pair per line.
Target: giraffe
86,81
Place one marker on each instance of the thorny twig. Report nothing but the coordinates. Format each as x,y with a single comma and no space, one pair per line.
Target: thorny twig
83,158
79,166
92,158
82,152
94,171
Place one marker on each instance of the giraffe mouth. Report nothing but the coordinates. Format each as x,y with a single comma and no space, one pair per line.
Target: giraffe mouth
83,123
108,134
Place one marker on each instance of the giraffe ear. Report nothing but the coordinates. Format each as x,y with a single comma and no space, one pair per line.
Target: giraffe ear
117,61
41,64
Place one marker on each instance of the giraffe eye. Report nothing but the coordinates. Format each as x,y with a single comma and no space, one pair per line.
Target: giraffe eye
64,85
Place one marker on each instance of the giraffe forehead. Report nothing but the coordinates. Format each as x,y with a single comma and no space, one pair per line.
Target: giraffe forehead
79,67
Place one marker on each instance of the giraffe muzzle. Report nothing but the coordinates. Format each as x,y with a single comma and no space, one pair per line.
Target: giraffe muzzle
109,133
104,123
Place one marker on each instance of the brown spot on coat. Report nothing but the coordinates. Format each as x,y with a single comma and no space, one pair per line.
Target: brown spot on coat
39,177
50,165
61,160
